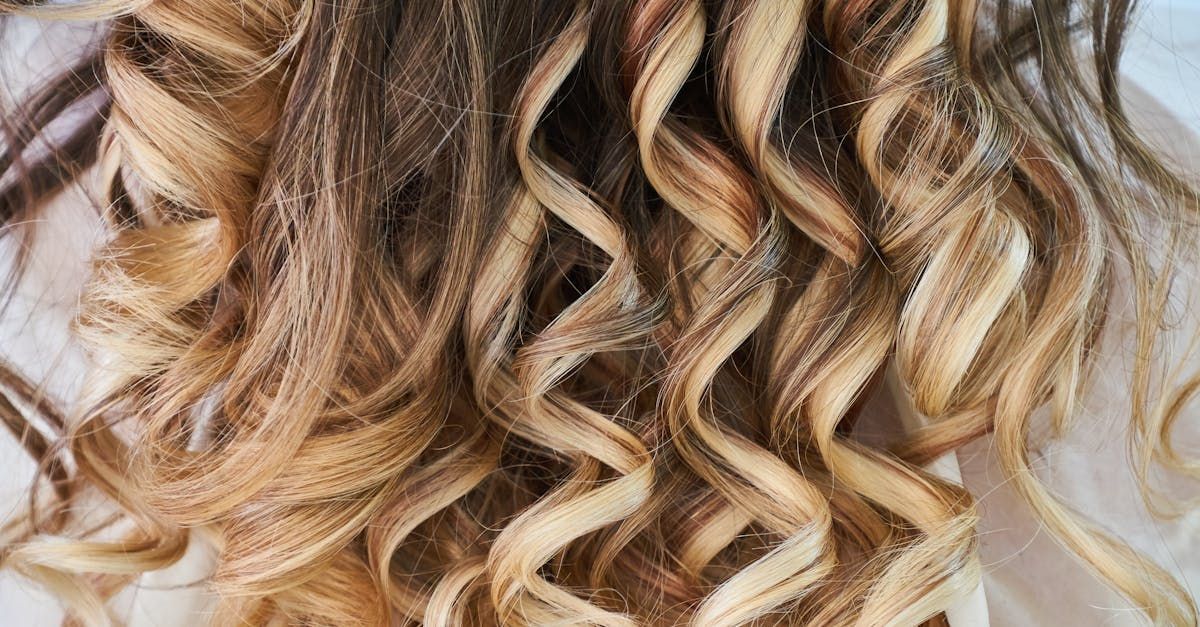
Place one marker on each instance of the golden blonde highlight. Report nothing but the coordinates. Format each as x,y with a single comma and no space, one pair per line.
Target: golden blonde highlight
466,312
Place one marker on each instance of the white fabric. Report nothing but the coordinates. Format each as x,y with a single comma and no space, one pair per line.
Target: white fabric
1028,579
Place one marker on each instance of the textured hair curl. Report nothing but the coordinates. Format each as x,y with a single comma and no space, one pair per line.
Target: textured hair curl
564,312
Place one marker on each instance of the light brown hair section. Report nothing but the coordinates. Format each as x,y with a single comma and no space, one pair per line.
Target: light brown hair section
507,312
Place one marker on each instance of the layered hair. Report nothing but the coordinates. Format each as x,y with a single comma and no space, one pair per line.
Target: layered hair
564,311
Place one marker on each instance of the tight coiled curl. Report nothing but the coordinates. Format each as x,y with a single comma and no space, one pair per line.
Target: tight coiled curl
475,312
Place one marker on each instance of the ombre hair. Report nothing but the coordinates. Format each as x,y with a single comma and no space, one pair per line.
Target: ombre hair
564,312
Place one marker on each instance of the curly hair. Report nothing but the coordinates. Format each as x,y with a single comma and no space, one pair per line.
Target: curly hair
563,312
